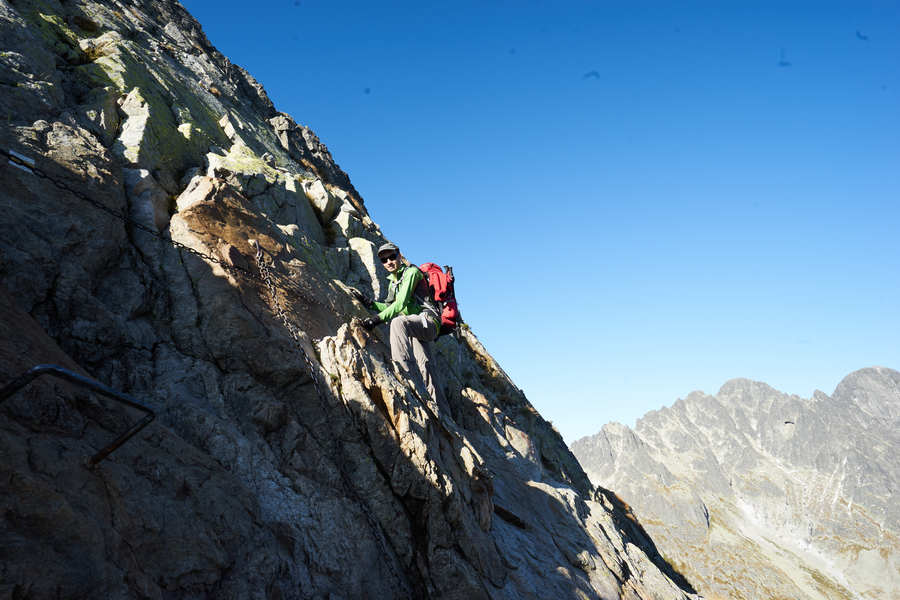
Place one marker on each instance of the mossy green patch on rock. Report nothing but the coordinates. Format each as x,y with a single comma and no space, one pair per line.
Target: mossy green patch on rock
241,160
277,194
60,38
168,126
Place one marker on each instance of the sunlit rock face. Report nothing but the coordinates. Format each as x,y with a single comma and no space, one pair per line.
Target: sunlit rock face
752,493
288,458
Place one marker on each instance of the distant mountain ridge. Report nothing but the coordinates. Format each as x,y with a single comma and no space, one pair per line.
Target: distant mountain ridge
754,494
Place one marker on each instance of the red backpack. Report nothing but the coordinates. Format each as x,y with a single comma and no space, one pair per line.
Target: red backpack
441,284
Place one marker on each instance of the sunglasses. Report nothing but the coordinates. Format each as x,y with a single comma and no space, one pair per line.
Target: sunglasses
388,257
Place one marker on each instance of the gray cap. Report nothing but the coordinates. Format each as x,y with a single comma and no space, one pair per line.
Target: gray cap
389,247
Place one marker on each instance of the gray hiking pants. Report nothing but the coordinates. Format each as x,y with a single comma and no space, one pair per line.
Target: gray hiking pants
411,337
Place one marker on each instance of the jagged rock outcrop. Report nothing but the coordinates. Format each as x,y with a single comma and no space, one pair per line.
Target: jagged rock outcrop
752,493
167,232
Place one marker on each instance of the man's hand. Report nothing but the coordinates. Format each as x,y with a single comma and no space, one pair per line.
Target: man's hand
362,298
370,322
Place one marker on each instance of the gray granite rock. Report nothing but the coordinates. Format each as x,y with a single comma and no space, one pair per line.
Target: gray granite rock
756,494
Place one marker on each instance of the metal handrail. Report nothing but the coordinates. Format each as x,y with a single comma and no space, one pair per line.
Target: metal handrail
21,381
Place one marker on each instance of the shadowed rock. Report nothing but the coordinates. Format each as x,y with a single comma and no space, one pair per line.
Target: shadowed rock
288,458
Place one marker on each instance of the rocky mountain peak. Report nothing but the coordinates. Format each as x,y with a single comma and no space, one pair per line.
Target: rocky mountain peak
754,493
742,388
875,391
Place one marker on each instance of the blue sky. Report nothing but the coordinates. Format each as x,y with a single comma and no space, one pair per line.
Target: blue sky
637,198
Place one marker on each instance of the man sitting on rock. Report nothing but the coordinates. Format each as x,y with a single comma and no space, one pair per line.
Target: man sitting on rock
413,314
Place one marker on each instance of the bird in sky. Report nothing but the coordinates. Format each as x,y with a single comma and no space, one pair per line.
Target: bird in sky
782,62
590,74
862,37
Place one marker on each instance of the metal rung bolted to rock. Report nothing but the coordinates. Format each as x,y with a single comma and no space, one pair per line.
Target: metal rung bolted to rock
56,371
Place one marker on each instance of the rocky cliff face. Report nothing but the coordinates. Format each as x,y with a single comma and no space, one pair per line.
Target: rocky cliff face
166,231
757,494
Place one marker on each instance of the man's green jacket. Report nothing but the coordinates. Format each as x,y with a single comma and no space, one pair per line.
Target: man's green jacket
401,299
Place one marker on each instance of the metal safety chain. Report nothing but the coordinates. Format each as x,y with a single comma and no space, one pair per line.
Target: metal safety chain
279,311
263,276
27,165
295,334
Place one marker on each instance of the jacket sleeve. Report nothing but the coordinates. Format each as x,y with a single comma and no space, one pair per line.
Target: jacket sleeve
404,297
